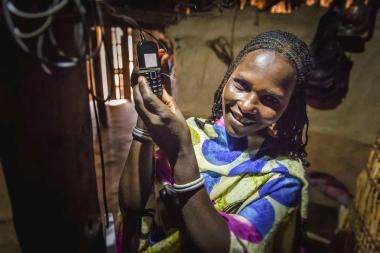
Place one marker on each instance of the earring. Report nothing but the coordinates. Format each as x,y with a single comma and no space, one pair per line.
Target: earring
272,130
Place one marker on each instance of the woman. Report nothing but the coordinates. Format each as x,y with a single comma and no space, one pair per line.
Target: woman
235,182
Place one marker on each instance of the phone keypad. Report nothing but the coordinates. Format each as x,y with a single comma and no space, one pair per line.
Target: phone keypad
154,79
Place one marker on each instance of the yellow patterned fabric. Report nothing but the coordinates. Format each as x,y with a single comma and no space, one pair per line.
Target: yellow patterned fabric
262,199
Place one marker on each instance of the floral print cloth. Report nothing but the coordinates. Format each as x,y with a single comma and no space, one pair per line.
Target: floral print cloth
261,199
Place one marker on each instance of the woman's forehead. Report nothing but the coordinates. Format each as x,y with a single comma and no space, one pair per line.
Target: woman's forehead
266,65
263,58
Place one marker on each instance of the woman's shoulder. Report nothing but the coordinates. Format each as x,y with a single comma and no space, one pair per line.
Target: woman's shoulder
201,128
197,122
286,165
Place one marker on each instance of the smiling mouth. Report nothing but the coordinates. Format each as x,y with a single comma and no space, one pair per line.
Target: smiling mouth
241,119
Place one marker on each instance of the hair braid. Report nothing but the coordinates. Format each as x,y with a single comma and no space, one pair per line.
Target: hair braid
290,127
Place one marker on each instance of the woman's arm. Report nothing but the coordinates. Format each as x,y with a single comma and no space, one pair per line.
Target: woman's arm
134,189
206,229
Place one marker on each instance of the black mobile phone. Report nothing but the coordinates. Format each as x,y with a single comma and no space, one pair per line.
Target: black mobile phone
149,65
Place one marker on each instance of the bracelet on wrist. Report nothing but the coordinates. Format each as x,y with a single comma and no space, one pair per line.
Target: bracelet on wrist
140,134
191,186
170,193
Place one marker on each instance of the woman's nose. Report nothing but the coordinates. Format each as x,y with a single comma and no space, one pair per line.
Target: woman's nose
248,104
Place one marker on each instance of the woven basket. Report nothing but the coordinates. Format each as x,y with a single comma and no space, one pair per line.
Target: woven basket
364,214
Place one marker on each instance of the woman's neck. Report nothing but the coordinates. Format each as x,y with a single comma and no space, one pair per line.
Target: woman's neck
252,142
255,141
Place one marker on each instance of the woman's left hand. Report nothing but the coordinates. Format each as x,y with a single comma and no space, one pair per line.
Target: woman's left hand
201,222
162,118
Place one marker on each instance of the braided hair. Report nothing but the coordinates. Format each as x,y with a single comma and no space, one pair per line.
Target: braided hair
290,127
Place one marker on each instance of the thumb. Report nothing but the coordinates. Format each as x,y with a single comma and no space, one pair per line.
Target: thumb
170,102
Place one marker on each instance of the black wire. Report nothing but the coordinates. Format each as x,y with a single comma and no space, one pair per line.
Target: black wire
91,53
91,82
163,46
25,48
109,62
73,61
85,53
87,77
96,99
104,190
113,12
133,23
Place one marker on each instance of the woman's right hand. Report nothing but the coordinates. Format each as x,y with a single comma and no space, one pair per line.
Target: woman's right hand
162,118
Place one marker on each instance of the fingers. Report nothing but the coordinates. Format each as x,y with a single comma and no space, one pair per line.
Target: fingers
143,112
165,109
151,101
171,104
166,98
169,101
148,105
135,76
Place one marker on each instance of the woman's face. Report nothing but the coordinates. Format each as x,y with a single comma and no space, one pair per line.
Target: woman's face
257,92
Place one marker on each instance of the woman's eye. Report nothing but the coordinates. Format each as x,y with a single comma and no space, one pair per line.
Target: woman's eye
270,101
241,86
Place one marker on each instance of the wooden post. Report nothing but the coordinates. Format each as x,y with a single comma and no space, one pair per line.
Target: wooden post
46,151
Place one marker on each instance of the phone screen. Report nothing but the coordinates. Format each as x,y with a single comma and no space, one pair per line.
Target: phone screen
150,60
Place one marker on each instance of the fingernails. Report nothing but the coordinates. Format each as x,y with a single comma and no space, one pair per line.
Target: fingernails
141,79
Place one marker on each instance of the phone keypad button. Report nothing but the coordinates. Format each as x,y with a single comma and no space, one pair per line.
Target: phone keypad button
153,75
154,80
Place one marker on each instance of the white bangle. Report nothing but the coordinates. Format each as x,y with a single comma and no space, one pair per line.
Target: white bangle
189,186
141,135
141,131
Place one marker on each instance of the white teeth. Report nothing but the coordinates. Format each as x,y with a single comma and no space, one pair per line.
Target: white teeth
247,120
242,120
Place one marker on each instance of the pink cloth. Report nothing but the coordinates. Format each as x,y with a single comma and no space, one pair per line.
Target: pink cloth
220,122
242,230
163,169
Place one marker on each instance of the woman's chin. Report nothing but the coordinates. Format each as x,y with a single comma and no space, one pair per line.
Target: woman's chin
238,132
235,131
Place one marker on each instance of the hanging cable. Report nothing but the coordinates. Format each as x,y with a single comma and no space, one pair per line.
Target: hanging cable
84,49
22,14
131,22
109,62
36,32
104,189
83,52
92,84
103,168
67,61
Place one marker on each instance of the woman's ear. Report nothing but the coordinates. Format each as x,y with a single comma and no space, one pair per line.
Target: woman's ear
272,130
